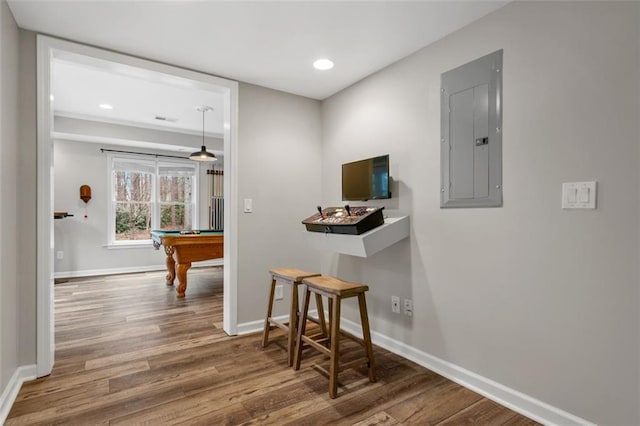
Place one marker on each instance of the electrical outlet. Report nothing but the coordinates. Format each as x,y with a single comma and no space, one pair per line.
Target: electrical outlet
279,292
395,304
59,255
408,307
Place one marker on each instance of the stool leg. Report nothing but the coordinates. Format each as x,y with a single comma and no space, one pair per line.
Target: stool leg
293,322
366,334
301,328
321,320
267,325
330,313
335,346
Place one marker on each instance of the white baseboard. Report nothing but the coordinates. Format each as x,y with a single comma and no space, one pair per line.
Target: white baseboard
10,392
503,395
255,326
128,270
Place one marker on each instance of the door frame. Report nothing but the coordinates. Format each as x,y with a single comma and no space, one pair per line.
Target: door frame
47,48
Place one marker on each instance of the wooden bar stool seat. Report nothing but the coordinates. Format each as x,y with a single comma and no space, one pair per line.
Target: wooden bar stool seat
335,290
293,277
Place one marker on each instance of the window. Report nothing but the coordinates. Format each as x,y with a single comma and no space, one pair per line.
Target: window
176,196
150,194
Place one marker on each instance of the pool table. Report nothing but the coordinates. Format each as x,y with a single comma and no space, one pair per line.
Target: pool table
184,247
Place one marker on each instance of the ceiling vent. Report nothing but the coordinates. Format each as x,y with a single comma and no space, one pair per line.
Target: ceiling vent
162,118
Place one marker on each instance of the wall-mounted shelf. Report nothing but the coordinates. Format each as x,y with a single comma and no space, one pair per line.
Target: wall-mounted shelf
363,245
61,215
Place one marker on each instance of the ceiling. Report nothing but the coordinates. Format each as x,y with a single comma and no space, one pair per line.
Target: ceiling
140,98
268,43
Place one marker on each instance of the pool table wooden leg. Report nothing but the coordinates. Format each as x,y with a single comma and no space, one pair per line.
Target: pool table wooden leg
171,265
182,278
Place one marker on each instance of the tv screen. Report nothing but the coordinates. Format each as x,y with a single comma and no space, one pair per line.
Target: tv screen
366,179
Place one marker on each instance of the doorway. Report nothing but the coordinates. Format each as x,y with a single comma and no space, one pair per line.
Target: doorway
50,49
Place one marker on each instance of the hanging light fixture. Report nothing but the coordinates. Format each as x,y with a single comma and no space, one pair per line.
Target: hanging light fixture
203,154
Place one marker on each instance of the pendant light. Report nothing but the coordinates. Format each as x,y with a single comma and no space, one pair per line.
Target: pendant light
203,154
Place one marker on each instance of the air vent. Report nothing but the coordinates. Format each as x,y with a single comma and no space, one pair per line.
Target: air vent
169,119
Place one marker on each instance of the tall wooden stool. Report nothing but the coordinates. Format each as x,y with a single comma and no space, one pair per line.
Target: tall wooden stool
335,290
293,277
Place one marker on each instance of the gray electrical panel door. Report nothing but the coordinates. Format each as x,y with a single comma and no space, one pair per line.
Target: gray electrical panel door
471,134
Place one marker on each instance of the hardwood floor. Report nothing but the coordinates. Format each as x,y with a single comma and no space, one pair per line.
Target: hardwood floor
129,352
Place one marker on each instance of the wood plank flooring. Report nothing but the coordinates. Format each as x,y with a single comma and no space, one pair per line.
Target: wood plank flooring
129,352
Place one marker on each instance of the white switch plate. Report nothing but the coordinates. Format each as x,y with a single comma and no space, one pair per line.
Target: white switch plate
248,205
579,195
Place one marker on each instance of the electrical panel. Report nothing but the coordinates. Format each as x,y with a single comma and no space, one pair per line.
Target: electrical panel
471,134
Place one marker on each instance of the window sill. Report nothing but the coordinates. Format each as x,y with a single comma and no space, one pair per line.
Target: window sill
142,244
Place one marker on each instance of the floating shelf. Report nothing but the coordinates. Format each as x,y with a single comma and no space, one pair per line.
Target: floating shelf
363,245
61,215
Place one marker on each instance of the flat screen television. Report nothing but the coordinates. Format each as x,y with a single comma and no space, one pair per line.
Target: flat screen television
366,179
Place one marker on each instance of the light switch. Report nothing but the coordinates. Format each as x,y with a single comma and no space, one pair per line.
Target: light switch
248,205
584,194
579,195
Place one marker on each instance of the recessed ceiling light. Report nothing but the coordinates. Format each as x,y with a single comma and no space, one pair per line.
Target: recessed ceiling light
51,98
105,106
323,64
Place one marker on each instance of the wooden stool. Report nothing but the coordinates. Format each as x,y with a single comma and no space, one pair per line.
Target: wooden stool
293,277
335,290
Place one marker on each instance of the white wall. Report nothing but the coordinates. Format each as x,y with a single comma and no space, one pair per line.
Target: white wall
8,196
279,167
541,300
83,241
